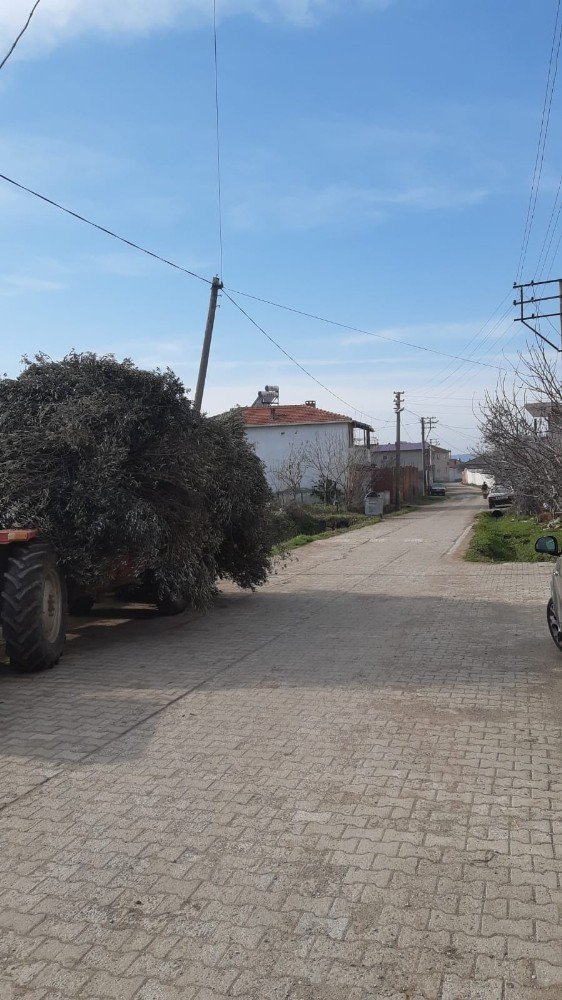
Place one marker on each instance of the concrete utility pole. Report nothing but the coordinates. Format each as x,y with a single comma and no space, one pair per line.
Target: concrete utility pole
422,421
398,410
431,421
538,306
216,286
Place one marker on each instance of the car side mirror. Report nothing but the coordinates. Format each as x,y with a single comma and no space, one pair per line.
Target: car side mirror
547,545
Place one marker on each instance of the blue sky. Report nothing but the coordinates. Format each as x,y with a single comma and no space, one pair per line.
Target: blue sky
376,167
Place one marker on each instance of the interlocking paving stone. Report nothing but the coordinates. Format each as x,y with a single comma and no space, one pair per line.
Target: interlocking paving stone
341,786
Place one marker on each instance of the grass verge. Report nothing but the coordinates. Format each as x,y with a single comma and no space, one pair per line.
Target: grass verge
510,538
298,540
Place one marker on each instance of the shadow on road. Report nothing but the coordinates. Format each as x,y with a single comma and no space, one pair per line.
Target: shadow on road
398,654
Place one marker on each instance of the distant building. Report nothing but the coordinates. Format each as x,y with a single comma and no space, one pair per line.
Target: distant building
454,470
437,458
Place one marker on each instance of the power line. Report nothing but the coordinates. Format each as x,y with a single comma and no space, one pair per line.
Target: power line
460,380
446,371
544,248
256,298
556,248
102,229
21,34
358,329
441,424
464,374
193,274
541,145
217,120
294,360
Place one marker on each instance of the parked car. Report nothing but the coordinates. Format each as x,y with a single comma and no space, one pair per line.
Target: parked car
500,496
548,545
437,490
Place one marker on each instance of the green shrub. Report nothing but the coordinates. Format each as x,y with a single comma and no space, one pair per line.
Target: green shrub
283,525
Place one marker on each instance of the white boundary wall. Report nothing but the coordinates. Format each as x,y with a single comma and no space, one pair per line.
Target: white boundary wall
475,477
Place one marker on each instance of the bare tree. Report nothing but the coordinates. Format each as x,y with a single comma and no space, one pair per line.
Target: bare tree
520,451
332,460
289,472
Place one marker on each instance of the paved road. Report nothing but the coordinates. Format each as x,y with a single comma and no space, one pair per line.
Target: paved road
340,787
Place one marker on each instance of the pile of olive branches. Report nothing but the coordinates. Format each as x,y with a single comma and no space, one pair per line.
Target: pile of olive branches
115,468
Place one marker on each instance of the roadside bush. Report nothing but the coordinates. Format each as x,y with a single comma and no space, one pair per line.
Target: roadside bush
115,468
316,518
284,527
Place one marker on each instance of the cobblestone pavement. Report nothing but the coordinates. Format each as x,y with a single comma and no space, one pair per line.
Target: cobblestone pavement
340,788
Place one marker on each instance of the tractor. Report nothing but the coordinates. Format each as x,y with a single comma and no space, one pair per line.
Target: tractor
36,598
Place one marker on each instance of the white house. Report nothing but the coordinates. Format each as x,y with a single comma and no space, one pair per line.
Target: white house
300,443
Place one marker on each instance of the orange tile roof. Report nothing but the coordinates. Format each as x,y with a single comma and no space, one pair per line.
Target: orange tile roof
299,413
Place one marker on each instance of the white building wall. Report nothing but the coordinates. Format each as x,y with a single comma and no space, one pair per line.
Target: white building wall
273,445
475,477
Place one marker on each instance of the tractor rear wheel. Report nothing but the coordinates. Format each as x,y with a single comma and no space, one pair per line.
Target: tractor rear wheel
33,607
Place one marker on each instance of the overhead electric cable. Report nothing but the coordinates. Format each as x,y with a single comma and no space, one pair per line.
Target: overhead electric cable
291,358
441,424
554,254
450,375
217,121
446,372
102,229
458,381
541,145
256,298
550,233
356,329
21,34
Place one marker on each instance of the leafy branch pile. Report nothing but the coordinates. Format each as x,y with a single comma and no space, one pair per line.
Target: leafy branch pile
115,468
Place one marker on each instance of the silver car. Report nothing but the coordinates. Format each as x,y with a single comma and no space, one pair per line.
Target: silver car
548,545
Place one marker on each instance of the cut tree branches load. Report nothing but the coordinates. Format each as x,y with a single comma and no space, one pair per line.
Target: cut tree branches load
124,484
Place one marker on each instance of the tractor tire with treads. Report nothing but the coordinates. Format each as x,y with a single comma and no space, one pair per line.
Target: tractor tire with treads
33,607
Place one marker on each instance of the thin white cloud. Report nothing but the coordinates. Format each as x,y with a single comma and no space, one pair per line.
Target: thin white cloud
57,20
422,332
342,203
41,156
23,284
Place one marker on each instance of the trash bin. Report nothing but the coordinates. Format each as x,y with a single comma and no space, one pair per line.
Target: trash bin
374,504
